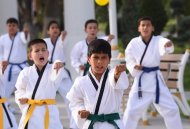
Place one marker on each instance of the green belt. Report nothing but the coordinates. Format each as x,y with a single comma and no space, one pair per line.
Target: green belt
103,118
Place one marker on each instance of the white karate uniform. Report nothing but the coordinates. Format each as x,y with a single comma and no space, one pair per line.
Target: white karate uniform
59,49
5,118
18,56
60,55
83,96
136,106
48,86
79,54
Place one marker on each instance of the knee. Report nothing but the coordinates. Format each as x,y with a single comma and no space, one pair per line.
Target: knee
132,113
172,111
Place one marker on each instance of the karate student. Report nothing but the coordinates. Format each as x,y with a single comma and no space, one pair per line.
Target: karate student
13,54
7,119
142,60
36,89
79,51
56,46
95,98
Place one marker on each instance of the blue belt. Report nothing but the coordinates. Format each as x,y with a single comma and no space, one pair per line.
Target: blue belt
147,70
11,67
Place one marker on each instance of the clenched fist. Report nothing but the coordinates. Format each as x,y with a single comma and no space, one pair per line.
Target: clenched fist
83,114
118,70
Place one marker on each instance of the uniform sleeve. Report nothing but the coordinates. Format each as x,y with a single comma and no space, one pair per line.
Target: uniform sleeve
21,89
1,55
130,60
122,82
64,86
1,49
76,102
57,77
23,37
75,57
162,49
63,42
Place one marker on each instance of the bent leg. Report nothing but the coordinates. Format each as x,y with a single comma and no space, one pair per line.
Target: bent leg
169,110
135,109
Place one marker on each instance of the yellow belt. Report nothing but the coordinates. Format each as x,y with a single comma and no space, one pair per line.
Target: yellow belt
2,100
35,103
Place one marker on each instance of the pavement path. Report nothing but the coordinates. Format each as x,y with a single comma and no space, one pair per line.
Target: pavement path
155,122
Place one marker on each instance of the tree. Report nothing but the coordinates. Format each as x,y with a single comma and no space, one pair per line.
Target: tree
128,21
39,14
53,11
154,9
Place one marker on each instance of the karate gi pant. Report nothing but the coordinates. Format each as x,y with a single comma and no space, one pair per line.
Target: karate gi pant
63,92
72,124
10,85
167,108
12,117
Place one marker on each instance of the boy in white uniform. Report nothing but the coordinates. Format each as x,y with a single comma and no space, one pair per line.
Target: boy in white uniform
95,98
7,119
79,51
36,89
56,46
142,60
13,55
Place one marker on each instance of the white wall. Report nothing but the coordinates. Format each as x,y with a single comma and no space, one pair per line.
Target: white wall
8,8
76,12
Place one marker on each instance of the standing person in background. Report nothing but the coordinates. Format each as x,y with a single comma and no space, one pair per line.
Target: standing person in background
143,60
95,98
13,54
56,46
79,51
7,119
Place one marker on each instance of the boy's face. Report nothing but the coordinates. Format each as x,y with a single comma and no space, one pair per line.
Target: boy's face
39,54
12,28
145,28
91,30
99,63
54,30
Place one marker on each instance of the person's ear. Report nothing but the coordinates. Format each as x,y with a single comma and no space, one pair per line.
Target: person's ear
48,32
88,59
30,56
153,29
139,29
85,30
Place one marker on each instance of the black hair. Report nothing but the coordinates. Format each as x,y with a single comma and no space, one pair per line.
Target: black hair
52,22
145,18
35,41
12,20
99,46
90,21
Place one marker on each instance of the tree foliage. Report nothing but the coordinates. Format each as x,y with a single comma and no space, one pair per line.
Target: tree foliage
155,9
184,29
128,20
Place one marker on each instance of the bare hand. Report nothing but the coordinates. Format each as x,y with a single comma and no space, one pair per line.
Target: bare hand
82,67
138,67
58,65
23,100
26,29
63,35
4,65
168,44
83,114
110,37
118,70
